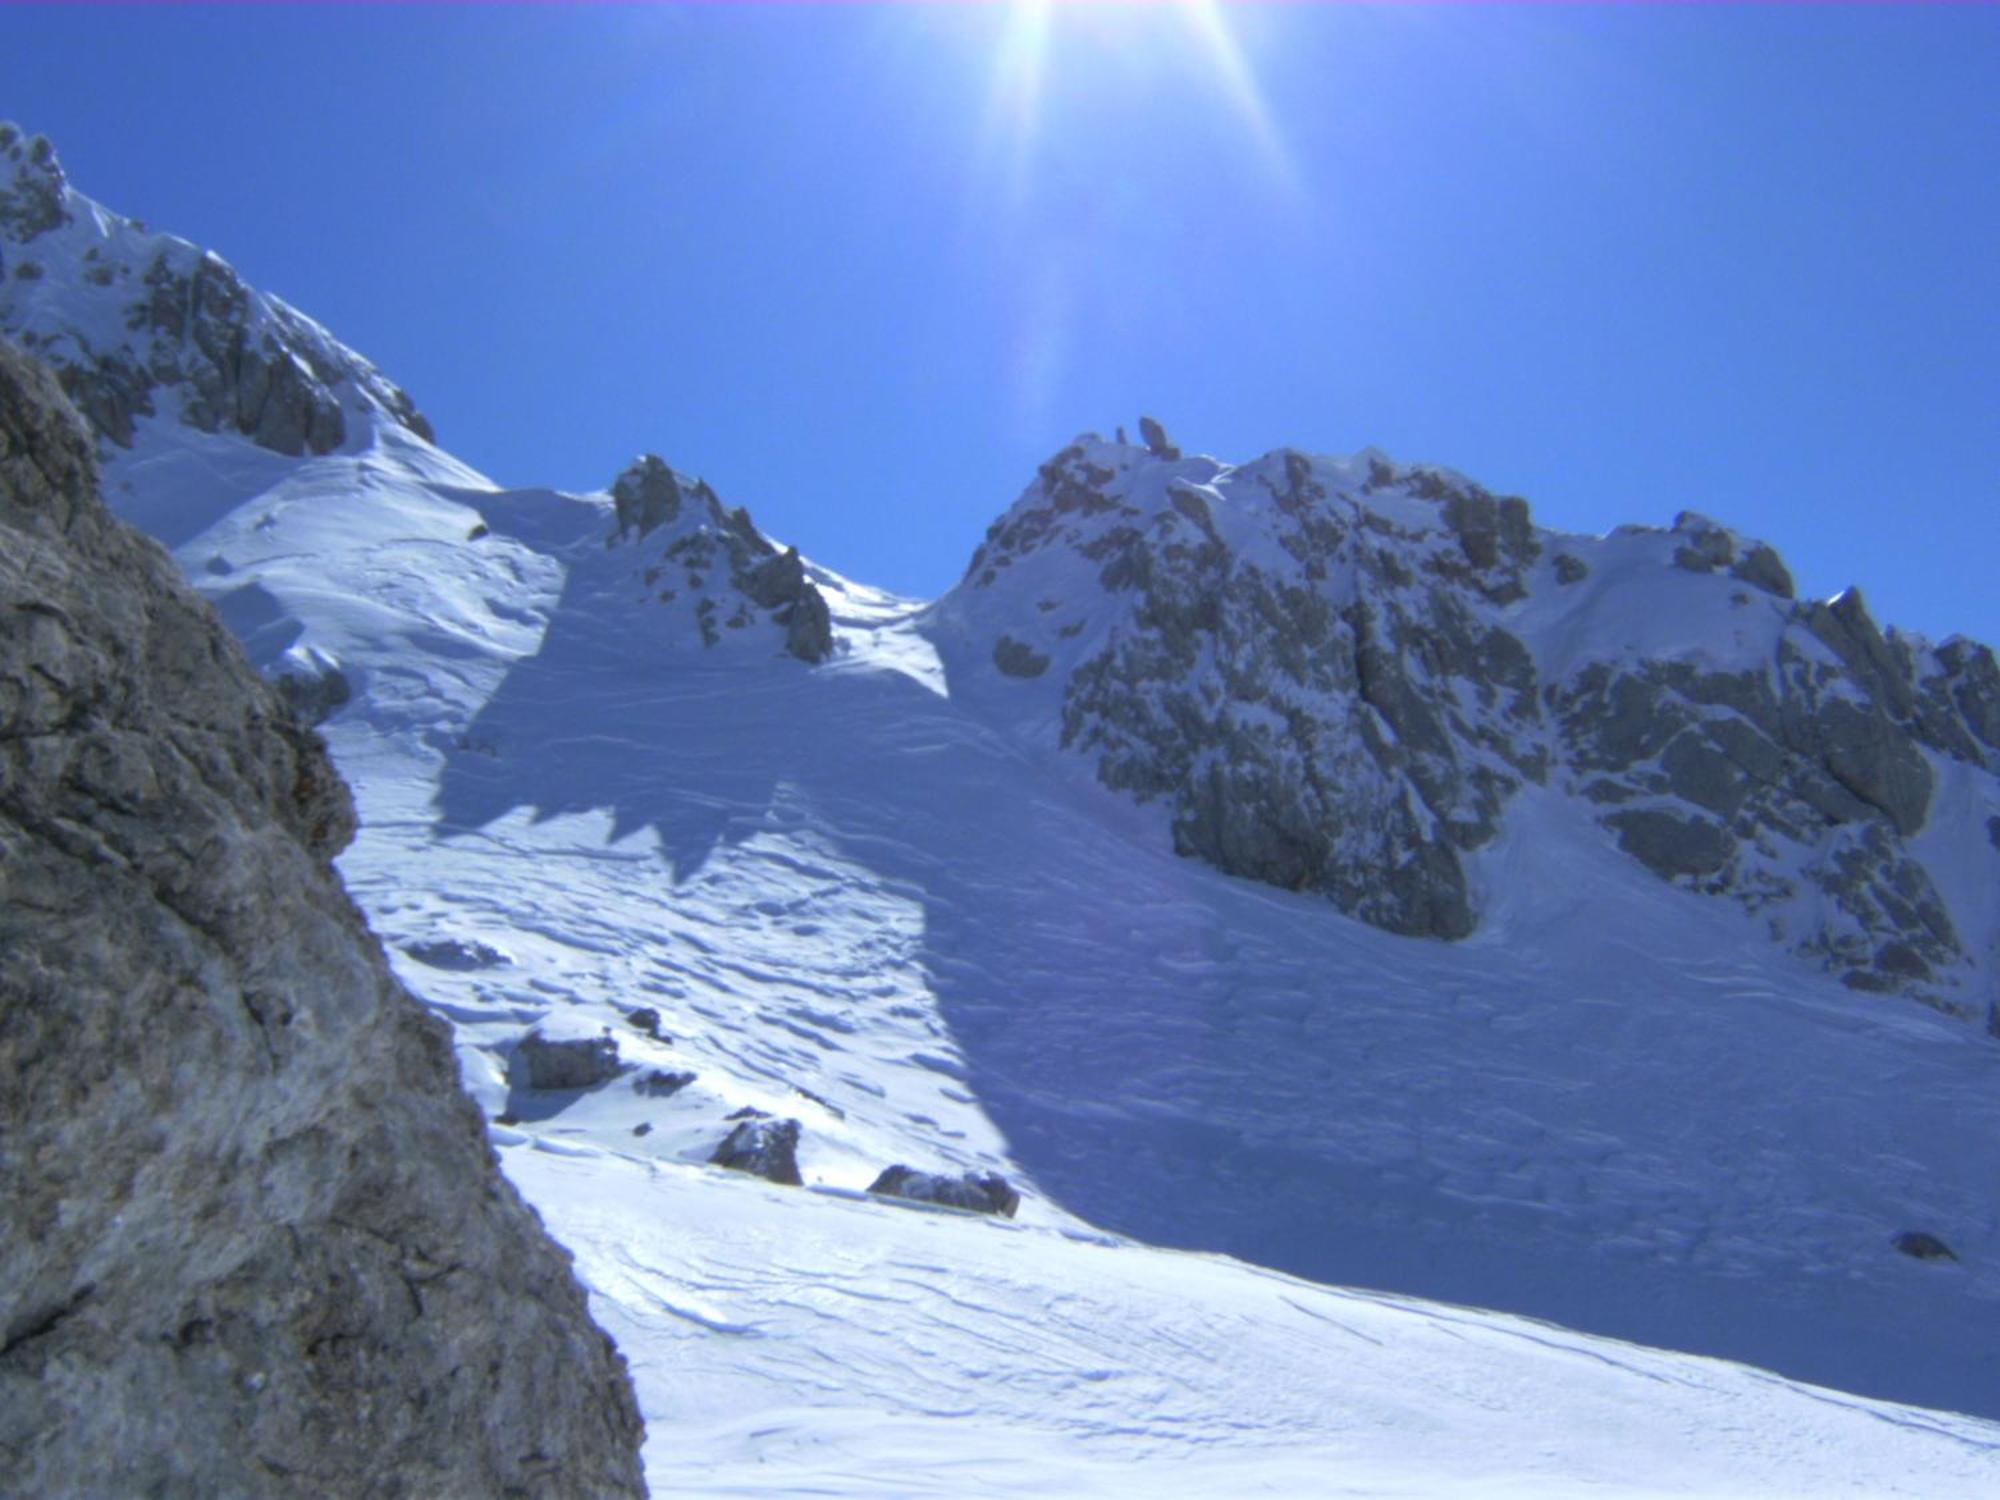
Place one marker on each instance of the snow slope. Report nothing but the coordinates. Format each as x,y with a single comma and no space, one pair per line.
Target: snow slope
858,896
1614,1106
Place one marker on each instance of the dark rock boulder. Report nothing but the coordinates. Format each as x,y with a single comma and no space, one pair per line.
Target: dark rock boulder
253,1240
981,1192
660,1084
763,1147
1154,436
457,954
580,1062
1921,1246
1018,658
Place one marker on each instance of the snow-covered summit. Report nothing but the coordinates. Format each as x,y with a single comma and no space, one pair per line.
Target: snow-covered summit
1337,674
136,323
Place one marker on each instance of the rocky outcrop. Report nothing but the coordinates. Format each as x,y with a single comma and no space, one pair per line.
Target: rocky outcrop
253,1241
567,1062
1304,680
1337,674
141,324
764,1148
979,1192
715,563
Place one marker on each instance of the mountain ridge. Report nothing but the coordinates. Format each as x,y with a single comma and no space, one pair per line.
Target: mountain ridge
875,894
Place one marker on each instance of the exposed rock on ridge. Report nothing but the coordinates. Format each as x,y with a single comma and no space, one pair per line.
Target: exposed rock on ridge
716,562
135,324
1337,674
253,1241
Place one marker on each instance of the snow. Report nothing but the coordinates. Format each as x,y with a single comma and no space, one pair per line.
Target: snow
791,1342
858,898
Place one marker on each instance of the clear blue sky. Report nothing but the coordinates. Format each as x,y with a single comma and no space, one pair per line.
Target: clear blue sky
864,267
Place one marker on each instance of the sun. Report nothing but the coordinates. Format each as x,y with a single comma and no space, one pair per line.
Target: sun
1133,31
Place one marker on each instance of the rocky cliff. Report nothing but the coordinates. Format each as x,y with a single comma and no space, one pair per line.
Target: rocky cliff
137,324
1339,675
252,1238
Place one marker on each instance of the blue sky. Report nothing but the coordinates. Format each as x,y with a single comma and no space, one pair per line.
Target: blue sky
864,267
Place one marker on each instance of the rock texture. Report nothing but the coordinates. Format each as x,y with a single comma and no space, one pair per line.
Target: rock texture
252,1239
137,324
1338,674
715,563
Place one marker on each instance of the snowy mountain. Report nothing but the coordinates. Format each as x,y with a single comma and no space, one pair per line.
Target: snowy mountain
1339,675
1310,861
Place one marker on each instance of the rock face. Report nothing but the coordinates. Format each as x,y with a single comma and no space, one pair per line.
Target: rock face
253,1241
137,324
985,1193
1337,675
715,563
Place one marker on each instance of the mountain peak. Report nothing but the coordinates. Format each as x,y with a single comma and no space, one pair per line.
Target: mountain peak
139,326
1343,674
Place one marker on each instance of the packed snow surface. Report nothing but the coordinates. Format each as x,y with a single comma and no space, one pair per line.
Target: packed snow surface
852,900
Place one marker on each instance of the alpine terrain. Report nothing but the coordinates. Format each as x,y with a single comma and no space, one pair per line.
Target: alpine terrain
1290,978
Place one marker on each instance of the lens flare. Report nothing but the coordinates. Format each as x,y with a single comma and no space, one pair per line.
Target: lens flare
1126,33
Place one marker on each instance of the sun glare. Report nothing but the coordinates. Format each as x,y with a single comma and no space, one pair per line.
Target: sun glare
1137,33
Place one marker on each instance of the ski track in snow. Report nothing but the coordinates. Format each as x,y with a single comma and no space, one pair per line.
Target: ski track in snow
1616,1106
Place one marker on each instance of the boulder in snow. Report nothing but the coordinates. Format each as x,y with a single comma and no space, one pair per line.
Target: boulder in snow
764,1148
982,1192
577,1062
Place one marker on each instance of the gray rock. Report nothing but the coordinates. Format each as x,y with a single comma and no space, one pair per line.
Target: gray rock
809,627
660,1084
1705,546
1570,569
1154,436
985,1193
315,697
764,1148
1762,568
253,1241
1018,658
1922,1246
646,1019
540,1062
647,495
456,954
1671,845
32,197
705,540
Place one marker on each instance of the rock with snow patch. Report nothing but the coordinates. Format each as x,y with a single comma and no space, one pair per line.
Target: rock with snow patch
459,954
981,1192
714,564
544,1062
764,1148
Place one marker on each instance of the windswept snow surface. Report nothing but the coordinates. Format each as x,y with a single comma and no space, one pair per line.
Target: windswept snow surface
855,902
